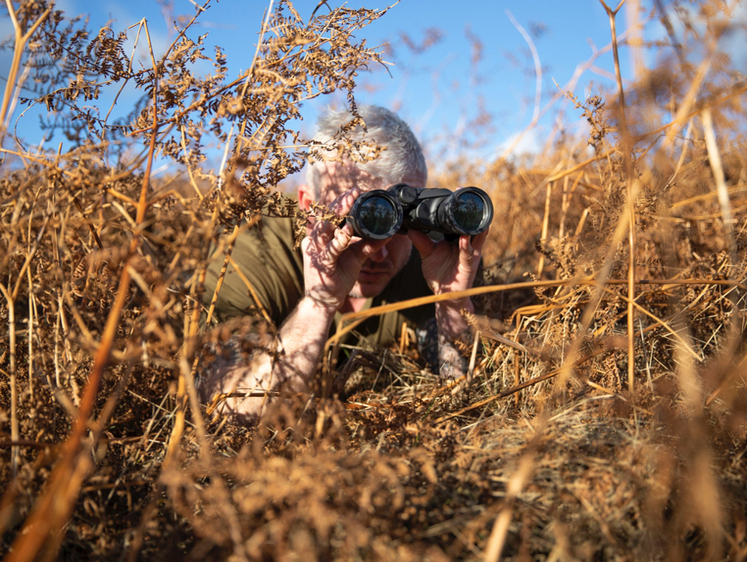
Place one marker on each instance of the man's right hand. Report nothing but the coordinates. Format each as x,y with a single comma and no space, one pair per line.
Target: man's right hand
333,257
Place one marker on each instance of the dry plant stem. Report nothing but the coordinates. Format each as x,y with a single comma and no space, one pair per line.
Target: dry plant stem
631,199
91,228
714,158
538,82
497,538
734,373
17,93
222,275
706,494
29,257
631,266
32,315
247,74
635,40
125,82
566,202
191,325
251,289
668,328
229,250
559,175
473,357
52,510
192,181
686,106
705,196
545,227
602,279
681,160
20,44
546,218
14,435
185,386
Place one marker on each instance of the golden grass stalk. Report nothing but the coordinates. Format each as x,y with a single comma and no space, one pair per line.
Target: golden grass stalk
21,39
632,193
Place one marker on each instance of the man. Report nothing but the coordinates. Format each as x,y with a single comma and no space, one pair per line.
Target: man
336,272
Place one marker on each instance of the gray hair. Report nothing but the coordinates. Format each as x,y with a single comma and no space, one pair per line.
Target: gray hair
402,156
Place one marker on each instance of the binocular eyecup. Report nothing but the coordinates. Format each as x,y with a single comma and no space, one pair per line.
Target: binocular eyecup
380,213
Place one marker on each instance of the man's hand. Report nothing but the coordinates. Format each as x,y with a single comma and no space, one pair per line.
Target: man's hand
449,267
332,257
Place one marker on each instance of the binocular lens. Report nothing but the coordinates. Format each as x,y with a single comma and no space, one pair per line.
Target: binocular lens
468,211
377,215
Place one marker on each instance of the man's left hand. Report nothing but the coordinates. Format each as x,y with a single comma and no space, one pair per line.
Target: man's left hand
449,267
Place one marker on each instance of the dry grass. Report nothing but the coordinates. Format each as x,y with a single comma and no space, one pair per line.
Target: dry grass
604,418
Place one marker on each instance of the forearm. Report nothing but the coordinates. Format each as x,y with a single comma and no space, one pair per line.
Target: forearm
302,338
257,378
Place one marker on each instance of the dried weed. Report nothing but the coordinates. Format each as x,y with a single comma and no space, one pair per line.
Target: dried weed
606,413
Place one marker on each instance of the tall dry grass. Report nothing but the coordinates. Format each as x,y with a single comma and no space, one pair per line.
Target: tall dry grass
603,414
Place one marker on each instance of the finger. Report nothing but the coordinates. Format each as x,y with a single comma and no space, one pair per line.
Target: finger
313,244
422,242
322,232
478,241
343,203
339,243
466,253
470,252
308,248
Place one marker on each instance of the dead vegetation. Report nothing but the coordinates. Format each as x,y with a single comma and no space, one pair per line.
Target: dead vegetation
604,415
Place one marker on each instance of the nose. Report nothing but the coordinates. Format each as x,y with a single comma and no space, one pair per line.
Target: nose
380,255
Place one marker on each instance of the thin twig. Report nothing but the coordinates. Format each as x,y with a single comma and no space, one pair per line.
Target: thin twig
714,158
18,48
627,151
14,434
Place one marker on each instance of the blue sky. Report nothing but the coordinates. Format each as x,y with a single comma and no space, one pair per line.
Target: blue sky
441,90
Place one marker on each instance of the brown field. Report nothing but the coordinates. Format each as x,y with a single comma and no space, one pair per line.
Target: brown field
604,414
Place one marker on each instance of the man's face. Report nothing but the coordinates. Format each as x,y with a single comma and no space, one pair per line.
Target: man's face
376,272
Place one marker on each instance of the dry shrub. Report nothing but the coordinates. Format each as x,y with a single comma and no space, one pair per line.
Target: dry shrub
553,451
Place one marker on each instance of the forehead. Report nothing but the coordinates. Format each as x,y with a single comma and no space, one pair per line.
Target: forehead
337,177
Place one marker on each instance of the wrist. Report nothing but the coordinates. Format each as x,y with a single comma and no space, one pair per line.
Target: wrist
316,311
449,318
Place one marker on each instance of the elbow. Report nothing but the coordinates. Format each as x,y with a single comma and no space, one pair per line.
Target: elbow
237,386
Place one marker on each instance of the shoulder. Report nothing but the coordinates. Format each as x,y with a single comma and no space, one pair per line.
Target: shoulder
268,234
264,265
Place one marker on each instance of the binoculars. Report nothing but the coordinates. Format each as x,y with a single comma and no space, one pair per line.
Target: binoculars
383,213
